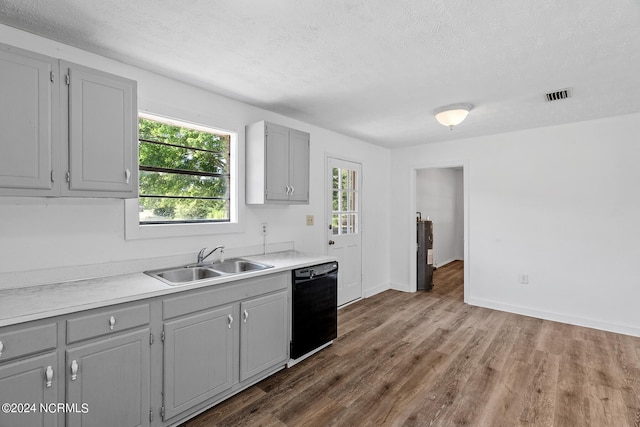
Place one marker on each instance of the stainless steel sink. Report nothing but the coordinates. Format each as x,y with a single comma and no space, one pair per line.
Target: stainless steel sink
183,275
238,265
175,276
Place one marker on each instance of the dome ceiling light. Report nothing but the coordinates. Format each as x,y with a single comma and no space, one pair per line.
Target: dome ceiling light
452,115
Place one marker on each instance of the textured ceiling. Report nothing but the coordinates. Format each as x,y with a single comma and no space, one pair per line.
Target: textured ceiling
372,69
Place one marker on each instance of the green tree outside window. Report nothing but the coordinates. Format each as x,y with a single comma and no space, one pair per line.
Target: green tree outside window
184,174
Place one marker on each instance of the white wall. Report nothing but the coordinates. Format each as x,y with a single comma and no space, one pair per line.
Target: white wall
53,234
438,196
560,203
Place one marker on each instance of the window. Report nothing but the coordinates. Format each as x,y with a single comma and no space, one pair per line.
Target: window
185,172
344,214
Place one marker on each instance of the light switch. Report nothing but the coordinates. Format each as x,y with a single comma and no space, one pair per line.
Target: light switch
309,219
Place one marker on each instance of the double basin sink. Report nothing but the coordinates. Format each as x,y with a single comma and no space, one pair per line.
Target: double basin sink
175,276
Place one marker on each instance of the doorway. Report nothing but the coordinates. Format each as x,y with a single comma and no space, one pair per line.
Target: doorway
344,232
440,192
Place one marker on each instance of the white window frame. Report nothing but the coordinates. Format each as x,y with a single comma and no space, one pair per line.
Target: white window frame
134,230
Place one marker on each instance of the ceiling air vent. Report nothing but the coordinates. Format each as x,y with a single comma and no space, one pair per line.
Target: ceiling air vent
558,95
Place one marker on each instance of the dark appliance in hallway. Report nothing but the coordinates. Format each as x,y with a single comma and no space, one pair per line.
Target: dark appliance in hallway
425,253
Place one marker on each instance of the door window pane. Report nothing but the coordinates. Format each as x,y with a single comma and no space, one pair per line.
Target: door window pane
345,201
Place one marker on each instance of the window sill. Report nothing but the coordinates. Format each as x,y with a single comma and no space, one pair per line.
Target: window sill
135,231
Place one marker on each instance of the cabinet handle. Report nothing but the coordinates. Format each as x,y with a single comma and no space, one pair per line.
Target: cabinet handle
293,189
112,322
49,375
127,176
246,316
1,348
287,189
230,321
74,370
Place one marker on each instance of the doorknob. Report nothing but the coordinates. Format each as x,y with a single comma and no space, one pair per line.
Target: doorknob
331,242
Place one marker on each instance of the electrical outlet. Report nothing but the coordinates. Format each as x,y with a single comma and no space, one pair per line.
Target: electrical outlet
264,228
524,278
309,219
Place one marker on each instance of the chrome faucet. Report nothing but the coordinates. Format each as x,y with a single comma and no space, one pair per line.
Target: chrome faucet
202,256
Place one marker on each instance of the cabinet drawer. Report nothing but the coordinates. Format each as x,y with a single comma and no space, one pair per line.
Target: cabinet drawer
190,302
27,341
106,322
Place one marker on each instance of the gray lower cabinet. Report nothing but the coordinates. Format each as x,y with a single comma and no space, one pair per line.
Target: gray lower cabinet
31,382
220,340
108,366
123,365
198,363
29,375
108,381
263,333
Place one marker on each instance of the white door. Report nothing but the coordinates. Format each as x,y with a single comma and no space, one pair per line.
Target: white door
344,240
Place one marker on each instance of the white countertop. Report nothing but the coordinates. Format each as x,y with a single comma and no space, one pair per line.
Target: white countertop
39,302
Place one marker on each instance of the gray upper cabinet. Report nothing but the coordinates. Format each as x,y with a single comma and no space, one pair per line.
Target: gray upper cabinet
100,125
65,129
277,164
28,122
299,166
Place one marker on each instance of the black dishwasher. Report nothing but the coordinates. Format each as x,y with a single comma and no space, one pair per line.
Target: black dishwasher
315,308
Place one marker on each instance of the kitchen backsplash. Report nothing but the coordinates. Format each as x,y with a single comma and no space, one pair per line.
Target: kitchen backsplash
35,277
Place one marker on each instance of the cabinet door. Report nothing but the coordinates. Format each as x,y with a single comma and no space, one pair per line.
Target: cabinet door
27,95
26,382
102,133
198,362
277,162
108,382
299,165
263,334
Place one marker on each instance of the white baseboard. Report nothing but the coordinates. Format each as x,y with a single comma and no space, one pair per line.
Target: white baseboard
443,263
447,261
368,293
373,291
399,287
557,317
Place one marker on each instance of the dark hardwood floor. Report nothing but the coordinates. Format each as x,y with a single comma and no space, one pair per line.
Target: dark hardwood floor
427,359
